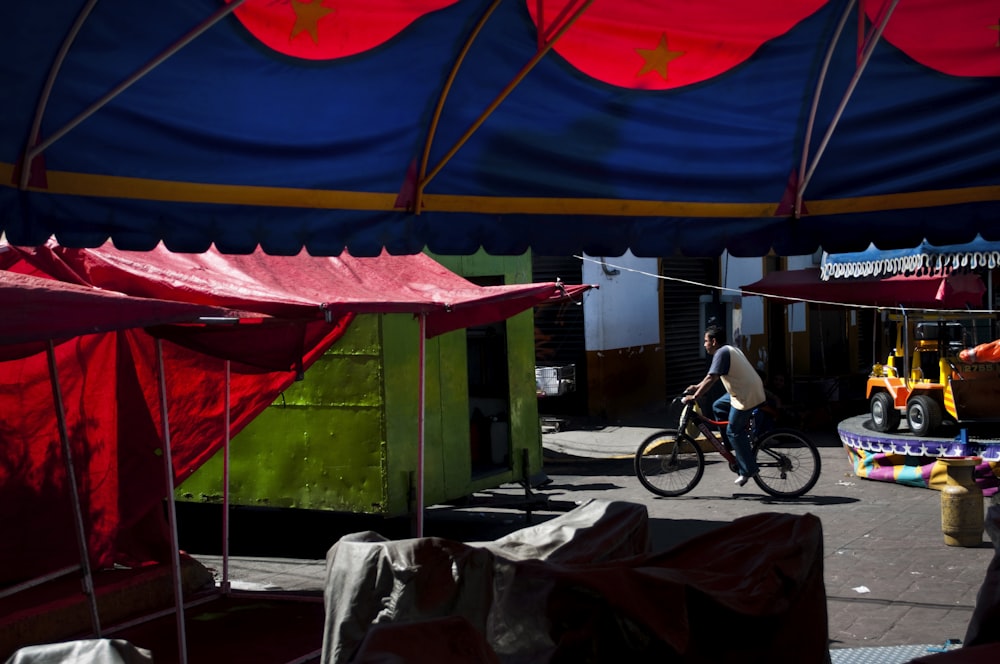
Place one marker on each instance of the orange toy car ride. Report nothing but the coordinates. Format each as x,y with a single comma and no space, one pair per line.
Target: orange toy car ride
941,380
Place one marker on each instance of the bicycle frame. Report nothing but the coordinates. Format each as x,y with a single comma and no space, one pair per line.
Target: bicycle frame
690,412
671,462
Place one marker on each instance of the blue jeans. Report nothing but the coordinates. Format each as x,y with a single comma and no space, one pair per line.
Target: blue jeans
739,437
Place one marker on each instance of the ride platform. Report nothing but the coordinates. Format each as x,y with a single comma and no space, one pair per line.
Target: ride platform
904,458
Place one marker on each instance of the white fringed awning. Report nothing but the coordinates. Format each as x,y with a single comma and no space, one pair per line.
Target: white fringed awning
925,259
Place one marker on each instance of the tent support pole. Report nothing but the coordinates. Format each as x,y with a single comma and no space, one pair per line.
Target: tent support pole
811,122
866,56
554,29
989,295
535,59
421,399
33,151
10,591
790,315
168,469
225,489
436,117
81,536
43,99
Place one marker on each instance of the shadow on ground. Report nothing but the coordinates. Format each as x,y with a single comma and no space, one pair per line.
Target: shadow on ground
565,464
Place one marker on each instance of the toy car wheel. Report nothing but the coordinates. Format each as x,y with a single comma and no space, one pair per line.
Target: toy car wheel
885,417
923,414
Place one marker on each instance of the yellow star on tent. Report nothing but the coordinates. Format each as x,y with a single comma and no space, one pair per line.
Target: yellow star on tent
657,58
997,28
307,16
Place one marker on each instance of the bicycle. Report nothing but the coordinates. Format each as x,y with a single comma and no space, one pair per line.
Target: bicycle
671,462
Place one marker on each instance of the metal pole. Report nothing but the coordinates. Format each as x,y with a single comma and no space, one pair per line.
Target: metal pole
815,104
34,150
81,536
790,310
168,469
43,99
420,423
225,490
535,59
10,591
866,56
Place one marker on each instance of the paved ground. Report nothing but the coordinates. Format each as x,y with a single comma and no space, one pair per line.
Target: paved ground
890,579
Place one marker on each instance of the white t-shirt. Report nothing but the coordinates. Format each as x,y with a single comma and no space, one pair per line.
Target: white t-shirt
746,389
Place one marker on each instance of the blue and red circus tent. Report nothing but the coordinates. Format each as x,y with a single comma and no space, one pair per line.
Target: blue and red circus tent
560,125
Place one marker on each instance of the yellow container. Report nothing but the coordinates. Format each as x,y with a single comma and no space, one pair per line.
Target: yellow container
961,503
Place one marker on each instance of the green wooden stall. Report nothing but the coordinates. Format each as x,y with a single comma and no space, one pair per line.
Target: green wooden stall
345,438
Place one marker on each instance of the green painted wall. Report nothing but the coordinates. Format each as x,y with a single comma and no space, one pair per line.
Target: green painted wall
321,444
346,437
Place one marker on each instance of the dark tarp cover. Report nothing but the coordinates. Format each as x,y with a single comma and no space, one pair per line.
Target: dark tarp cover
949,291
578,588
652,126
111,391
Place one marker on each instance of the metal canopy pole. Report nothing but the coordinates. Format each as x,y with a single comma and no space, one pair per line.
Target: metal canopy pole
815,104
424,178
32,150
43,99
225,489
168,468
81,536
790,313
866,56
421,399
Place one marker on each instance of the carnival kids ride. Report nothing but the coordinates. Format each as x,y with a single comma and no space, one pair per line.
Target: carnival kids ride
940,379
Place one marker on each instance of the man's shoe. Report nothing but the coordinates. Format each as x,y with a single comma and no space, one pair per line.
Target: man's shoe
743,479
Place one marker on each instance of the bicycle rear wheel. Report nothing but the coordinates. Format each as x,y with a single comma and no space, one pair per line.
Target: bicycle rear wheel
669,463
789,463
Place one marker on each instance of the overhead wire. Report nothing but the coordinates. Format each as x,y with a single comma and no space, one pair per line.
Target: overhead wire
784,298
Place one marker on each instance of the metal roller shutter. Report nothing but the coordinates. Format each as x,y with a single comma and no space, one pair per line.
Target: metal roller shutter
682,333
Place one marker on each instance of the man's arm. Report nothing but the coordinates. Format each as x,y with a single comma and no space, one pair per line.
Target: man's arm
696,391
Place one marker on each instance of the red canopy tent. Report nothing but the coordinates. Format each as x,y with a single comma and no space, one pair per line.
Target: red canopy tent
27,328
28,304
941,291
301,305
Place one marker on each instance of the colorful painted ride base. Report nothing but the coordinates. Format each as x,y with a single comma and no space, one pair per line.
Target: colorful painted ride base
906,459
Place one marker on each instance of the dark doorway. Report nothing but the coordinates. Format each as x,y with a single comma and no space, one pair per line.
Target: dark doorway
489,393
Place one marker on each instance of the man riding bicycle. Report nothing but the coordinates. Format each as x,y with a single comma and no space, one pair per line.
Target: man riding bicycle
744,392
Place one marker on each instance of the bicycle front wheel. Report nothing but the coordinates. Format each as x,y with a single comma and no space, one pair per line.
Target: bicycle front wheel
669,463
789,463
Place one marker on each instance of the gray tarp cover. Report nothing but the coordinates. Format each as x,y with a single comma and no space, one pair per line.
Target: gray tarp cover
88,651
582,587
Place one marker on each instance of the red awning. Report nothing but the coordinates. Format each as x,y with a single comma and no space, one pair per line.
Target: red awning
294,308
37,310
292,287
952,291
